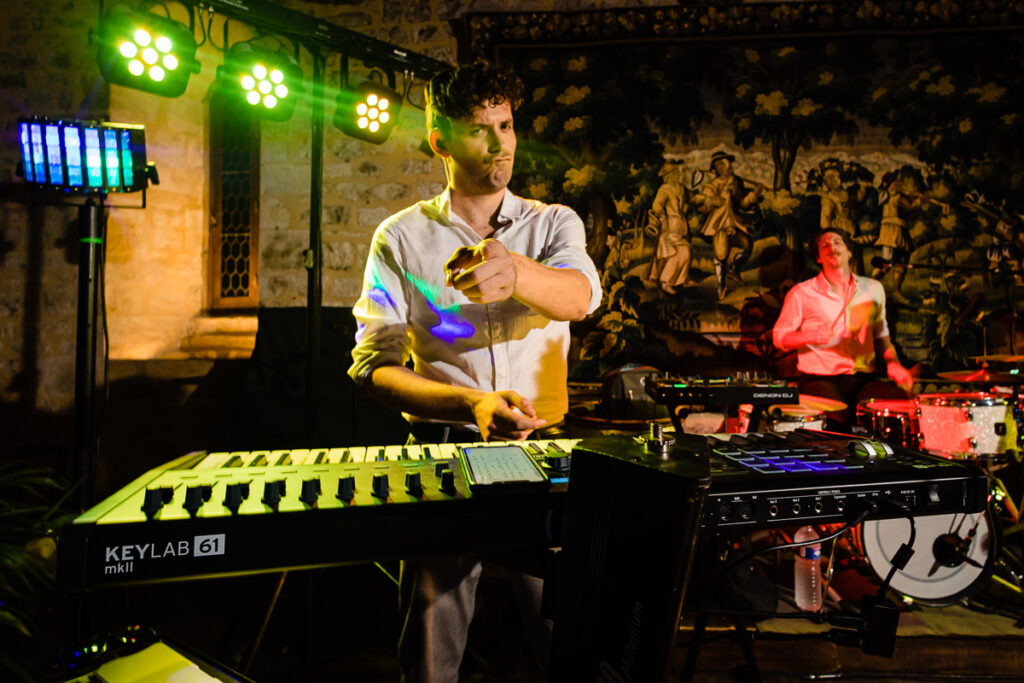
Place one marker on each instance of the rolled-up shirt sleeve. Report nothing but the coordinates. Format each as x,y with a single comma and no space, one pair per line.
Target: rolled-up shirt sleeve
881,324
382,327
567,248
789,319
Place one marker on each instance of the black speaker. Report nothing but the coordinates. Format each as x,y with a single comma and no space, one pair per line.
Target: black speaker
631,524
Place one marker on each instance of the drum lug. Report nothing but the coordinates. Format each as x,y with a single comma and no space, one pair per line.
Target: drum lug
969,414
974,442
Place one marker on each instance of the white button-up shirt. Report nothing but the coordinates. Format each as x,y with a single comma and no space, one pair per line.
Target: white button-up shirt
854,324
407,311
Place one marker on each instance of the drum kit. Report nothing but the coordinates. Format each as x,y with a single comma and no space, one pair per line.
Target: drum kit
957,554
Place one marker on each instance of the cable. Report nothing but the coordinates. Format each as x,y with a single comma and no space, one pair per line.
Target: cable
905,552
869,510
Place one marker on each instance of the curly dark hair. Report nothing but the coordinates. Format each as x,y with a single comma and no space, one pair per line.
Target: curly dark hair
453,94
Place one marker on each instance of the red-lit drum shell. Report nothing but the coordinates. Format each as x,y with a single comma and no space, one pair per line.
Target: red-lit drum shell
891,420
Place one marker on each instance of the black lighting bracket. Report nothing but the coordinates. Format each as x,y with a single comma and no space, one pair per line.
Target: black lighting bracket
273,18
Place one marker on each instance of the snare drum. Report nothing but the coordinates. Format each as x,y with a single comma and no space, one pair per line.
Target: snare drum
892,420
954,559
966,426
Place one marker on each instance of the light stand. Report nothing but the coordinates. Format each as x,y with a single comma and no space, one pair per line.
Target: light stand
91,234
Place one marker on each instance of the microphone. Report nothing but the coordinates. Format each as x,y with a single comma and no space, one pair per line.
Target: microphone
879,262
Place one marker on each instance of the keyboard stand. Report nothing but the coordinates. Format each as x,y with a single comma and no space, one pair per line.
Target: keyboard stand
749,670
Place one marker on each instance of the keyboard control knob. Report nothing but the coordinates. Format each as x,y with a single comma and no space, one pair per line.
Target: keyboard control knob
310,491
413,484
559,462
346,488
273,492
442,467
195,496
448,482
156,499
234,494
380,485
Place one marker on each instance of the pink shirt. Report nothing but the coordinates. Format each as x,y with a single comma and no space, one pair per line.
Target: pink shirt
855,324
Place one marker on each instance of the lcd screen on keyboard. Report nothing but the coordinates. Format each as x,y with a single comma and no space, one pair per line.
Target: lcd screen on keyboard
501,465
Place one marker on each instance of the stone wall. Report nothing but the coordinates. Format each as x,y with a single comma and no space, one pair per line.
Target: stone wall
156,272
47,68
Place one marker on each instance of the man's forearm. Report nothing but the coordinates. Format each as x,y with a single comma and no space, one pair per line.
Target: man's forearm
400,388
555,293
794,339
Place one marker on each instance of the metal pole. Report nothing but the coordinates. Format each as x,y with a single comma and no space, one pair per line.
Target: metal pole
314,255
90,230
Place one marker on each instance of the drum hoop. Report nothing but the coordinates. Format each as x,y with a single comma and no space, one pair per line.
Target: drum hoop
985,574
959,402
887,406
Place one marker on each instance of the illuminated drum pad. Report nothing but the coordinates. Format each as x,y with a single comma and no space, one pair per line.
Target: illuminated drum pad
964,426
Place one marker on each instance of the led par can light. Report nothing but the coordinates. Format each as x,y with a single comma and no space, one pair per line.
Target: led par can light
268,81
368,111
84,157
145,51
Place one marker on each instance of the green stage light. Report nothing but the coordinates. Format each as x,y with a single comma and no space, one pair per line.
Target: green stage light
368,112
270,81
145,51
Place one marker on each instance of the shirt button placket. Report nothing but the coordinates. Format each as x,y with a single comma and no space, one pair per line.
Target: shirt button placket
499,350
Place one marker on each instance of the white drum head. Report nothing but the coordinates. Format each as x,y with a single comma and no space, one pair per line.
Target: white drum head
936,574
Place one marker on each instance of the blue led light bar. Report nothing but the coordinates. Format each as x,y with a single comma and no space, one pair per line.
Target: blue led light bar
83,156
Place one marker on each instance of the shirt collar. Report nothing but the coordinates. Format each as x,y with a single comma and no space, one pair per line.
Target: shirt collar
825,287
511,208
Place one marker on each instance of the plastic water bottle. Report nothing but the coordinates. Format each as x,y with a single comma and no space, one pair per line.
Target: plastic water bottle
807,571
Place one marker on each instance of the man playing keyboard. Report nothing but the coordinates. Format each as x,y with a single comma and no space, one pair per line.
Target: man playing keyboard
476,287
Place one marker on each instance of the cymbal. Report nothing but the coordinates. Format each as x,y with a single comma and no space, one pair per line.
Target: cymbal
828,405
983,376
999,358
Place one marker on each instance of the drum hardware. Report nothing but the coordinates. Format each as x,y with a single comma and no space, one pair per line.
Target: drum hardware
983,376
781,418
998,358
954,557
